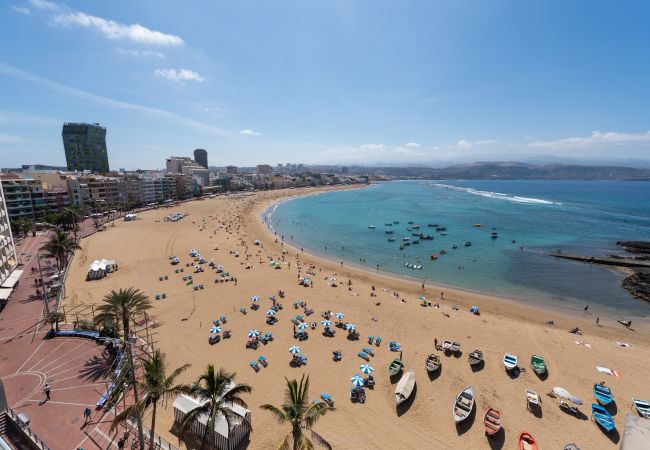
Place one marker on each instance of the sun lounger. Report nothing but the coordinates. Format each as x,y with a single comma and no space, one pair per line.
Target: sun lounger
369,351
363,355
263,361
327,398
222,319
337,355
104,398
226,334
255,366
214,339
377,341
242,310
329,332
370,339
369,381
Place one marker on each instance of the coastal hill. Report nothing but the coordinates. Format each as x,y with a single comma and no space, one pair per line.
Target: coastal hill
513,171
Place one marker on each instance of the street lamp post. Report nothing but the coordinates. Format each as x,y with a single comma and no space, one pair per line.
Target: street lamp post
40,274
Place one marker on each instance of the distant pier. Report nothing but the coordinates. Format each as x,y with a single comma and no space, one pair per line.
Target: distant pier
621,262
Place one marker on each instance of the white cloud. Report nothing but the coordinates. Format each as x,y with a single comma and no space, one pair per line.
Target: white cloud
118,31
89,97
140,54
463,144
596,139
250,133
410,149
22,10
412,145
179,76
10,139
44,4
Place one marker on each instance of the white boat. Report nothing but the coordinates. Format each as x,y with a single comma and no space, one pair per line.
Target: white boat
510,361
372,227
532,399
642,407
405,387
464,404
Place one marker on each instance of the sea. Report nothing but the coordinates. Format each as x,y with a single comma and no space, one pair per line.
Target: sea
532,220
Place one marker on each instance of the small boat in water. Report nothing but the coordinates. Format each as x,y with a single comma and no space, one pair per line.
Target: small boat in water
434,256
538,364
602,417
510,361
443,252
391,239
464,404
410,222
405,387
527,441
439,228
401,247
426,237
454,246
406,239
642,407
388,224
494,235
372,227
468,244
603,394
389,231
475,357
416,227
477,225
432,225
433,363
395,222
492,422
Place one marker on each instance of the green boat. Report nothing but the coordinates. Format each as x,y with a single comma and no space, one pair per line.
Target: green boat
538,364
395,367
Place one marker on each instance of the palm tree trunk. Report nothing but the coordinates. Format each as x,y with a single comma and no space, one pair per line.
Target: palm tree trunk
138,418
205,435
152,434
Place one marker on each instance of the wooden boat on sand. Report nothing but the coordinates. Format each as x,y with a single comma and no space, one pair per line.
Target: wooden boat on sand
532,399
475,357
395,367
492,421
527,441
538,364
642,407
433,363
405,387
602,417
510,361
603,394
464,404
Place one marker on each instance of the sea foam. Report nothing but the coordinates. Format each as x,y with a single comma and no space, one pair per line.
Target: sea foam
497,195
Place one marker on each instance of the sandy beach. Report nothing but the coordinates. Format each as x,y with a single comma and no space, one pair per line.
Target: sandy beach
225,228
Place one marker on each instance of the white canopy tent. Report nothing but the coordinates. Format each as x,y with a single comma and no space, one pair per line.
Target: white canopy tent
12,279
98,269
5,293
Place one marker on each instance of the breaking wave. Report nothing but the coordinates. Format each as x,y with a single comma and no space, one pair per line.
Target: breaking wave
497,195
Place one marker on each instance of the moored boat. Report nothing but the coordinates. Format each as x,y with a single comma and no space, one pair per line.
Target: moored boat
602,417
538,364
372,227
434,256
494,235
464,404
475,357
404,387
642,407
395,367
391,239
468,244
433,363
510,361
527,441
492,421
603,394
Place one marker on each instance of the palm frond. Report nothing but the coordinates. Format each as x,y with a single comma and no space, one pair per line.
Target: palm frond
320,440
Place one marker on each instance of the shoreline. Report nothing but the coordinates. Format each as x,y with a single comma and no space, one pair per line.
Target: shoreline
261,214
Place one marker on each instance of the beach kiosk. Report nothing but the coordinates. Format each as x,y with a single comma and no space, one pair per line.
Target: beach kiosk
222,438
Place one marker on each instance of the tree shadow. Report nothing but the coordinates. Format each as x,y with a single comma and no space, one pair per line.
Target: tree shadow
96,368
464,426
498,440
403,407
435,375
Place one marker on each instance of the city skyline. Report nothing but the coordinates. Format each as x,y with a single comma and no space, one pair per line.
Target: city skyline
336,82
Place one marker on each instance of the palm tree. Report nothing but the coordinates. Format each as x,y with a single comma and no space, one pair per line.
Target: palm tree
158,386
301,414
60,246
121,308
216,392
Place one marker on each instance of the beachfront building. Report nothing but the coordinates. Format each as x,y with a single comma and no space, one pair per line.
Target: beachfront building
231,170
85,147
94,193
31,198
7,249
201,157
264,169
223,437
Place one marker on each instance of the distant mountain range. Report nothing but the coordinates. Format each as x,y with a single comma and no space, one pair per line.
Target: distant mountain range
504,170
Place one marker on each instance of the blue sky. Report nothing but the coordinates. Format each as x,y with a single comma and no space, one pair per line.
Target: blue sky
326,81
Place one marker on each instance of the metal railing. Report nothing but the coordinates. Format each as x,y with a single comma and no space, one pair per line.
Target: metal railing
26,431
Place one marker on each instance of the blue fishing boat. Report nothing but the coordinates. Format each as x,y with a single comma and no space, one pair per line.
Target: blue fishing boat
602,417
603,394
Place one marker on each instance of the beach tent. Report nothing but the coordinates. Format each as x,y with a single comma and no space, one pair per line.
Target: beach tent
12,280
474,310
636,434
223,439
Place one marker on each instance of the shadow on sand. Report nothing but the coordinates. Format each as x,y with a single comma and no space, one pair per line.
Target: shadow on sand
464,426
434,375
403,407
497,441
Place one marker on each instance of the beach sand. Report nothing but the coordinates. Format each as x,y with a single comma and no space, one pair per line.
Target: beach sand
142,249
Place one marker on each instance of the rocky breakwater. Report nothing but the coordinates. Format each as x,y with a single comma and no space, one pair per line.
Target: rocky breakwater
638,284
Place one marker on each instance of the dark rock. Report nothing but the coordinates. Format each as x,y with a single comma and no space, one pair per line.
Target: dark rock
638,285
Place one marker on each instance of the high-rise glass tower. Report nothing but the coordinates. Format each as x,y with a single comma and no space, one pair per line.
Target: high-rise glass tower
85,147
201,157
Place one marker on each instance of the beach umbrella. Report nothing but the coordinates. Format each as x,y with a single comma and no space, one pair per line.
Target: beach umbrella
294,349
350,327
339,315
303,326
367,369
215,330
285,251
357,380
421,297
271,312
253,333
563,393
255,298
326,323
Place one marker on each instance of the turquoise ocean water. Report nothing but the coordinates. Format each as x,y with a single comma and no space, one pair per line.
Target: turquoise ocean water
542,216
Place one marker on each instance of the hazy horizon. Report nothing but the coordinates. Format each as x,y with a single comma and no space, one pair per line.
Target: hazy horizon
337,82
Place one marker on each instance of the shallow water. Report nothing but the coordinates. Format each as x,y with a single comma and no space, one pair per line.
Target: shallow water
542,216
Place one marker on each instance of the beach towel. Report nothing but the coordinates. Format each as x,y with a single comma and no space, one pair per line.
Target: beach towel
611,372
624,344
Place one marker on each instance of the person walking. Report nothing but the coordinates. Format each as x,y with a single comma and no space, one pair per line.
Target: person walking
46,391
87,414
